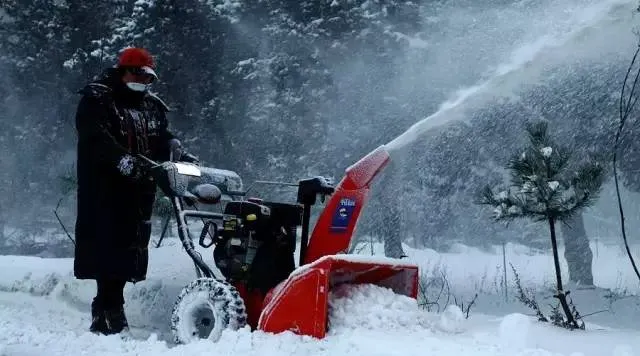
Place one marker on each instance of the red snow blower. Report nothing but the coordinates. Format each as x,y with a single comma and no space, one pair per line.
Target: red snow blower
258,283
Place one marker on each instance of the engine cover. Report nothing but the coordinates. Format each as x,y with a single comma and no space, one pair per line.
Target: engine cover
257,242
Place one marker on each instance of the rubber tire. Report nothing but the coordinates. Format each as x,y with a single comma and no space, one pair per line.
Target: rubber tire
220,297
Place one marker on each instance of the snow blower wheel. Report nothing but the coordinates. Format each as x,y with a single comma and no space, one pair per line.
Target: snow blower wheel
204,309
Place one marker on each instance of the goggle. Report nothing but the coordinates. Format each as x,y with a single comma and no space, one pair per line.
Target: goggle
147,73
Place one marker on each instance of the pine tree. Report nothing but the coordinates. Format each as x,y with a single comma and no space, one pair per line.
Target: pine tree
544,188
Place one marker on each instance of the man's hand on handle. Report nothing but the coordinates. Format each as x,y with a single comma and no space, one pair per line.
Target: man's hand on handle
178,153
133,167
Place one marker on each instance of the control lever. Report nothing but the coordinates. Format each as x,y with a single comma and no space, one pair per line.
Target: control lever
206,230
309,189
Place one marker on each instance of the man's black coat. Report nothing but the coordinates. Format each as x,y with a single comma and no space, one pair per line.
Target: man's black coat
113,219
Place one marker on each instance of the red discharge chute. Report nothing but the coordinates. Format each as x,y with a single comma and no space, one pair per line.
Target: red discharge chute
335,226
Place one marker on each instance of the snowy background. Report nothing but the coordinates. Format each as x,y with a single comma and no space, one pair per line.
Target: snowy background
447,85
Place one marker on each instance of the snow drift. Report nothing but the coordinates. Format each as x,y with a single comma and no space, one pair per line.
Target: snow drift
44,310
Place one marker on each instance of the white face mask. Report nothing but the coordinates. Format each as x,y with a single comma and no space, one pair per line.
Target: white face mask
137,86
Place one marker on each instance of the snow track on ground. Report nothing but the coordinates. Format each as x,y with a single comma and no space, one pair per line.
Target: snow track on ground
45,311
392,325
34,325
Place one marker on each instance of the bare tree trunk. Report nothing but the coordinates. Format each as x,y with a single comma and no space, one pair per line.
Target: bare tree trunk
391,231
562,295
391,225
577,251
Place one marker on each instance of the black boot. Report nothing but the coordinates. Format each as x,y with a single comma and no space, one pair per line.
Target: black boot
116,320
98,319
107,308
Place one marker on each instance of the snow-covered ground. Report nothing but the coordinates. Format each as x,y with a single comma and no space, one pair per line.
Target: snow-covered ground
44,310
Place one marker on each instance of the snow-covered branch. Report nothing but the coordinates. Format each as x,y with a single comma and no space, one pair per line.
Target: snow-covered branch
542,187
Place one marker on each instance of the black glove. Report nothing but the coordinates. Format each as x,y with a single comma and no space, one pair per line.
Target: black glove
189,158
179,154
133,167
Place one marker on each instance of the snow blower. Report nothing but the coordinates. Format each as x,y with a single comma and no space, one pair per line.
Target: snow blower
256,281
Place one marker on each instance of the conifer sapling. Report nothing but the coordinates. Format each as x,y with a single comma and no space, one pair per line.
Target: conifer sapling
544,187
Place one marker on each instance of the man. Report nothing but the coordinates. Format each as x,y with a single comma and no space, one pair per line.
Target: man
117,120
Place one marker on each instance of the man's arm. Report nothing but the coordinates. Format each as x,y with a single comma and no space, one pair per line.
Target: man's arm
171,144
93,133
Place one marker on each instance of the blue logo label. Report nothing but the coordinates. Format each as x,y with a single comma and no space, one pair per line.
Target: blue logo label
342,215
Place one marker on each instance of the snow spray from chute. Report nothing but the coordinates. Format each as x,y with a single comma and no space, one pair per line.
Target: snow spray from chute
452,110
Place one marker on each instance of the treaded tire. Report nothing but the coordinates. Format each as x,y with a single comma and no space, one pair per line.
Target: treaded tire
206,299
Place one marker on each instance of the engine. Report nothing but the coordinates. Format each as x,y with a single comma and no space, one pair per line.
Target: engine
257,242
